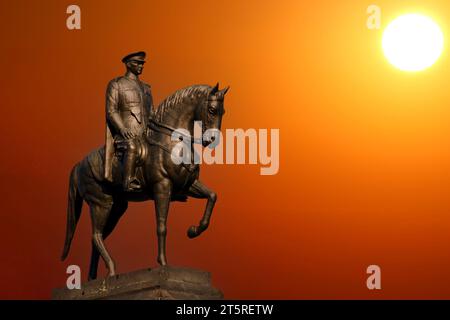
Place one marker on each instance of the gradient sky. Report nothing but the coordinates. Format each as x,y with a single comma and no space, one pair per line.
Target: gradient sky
364,148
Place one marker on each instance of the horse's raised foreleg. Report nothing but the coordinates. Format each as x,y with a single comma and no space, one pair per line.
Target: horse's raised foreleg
200,191
99,217
118,209
162,195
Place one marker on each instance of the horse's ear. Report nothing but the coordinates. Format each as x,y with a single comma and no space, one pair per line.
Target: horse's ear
223,91
215,89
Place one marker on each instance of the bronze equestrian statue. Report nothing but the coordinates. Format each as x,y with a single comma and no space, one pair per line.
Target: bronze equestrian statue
136,164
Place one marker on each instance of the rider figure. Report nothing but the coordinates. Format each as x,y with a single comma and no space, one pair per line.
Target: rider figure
128,106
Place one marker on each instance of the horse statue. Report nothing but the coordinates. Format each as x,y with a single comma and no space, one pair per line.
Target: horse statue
162,179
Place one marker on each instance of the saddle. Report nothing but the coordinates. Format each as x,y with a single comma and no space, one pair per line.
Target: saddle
95,161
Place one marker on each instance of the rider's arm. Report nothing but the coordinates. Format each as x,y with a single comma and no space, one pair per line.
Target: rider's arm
112,106
150,106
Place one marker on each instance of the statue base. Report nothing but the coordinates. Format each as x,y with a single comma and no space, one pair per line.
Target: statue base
163,283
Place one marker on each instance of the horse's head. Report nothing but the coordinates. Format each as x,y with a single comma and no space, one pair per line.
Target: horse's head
195,103
211,113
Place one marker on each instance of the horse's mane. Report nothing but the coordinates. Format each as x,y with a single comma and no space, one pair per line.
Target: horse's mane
174,99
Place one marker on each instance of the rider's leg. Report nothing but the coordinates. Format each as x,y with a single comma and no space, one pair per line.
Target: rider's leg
130,182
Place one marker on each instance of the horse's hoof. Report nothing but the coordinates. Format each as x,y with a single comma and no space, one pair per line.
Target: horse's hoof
111,274
192,232
162,262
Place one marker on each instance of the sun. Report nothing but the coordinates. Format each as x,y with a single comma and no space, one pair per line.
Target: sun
413,42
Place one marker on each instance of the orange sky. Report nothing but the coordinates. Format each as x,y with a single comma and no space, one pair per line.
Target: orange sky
364,158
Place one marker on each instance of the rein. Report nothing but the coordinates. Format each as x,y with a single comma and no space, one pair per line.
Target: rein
156,126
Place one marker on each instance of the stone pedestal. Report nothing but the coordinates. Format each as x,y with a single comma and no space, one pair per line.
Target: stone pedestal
164,283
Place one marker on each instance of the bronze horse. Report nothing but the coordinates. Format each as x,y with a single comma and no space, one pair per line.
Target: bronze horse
162,179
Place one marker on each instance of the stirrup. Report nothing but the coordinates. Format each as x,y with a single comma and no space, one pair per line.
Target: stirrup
133,185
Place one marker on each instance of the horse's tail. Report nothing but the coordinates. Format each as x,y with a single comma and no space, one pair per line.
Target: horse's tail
74,206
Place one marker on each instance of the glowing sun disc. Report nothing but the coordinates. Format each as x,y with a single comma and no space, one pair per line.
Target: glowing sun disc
412,42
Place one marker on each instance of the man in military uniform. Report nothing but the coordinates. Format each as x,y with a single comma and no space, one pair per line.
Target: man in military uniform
128,105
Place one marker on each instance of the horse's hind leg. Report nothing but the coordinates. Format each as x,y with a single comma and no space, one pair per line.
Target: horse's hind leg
117,210
99,217
93,267
200,191
162,193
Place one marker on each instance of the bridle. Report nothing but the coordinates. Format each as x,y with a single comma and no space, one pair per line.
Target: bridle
168,130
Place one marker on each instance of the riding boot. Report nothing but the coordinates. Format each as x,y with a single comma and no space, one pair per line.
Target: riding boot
130,182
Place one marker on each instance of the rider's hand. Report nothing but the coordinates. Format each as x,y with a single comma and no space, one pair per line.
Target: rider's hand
127,133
